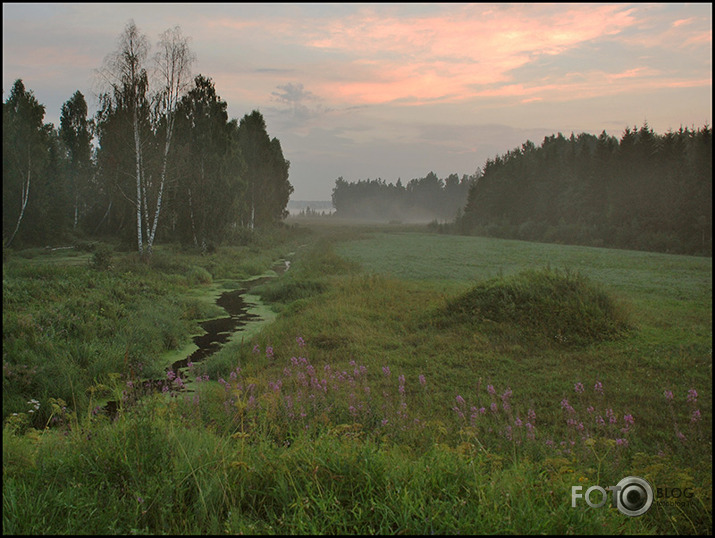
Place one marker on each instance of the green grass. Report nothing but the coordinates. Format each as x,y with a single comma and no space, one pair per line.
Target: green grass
322,423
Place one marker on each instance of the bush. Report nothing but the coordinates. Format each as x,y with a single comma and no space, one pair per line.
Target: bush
557,306
198,275
102,258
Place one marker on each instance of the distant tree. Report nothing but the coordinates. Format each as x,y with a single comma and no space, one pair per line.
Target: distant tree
645,191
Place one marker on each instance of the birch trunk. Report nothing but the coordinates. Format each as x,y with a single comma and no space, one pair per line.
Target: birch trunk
137,149
25,197
169,129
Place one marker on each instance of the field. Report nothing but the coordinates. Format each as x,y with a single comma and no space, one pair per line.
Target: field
410,383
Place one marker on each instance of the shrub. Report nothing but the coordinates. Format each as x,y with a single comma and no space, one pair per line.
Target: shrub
560,307
198,275
102,258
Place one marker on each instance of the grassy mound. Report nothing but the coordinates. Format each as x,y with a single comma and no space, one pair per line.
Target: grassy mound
560,307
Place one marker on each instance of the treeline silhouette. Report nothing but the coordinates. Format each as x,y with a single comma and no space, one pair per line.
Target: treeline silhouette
645,192
160,160
422,199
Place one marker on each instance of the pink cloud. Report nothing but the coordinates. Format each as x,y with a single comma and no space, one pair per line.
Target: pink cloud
441,57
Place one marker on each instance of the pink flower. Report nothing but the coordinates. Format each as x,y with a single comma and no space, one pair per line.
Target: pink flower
598,387
423,381
696,416
578,387
668,395
692,396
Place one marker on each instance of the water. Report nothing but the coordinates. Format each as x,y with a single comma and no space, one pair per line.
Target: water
217,332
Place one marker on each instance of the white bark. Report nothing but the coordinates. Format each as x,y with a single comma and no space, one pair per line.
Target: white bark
24,198
137,150
174,64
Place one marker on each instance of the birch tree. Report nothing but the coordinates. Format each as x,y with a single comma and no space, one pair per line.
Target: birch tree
125,73
23,154
173,64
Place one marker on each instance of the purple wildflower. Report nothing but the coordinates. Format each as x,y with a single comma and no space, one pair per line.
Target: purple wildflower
578,387
423,381
692,396
668,395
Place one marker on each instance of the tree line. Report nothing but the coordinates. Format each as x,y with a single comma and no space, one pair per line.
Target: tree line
159,160
426,198
645,191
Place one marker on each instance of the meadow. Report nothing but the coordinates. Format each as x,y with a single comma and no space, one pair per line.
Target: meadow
410,383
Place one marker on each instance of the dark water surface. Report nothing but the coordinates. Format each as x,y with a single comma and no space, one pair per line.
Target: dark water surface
218,332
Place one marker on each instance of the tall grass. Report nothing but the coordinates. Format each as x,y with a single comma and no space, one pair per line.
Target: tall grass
369,406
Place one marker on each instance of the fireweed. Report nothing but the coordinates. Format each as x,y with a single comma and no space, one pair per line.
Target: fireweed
687,429
307,399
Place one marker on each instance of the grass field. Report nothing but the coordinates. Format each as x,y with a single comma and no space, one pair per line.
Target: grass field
410,383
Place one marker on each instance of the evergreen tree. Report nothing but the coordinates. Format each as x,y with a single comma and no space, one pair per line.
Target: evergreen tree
25,155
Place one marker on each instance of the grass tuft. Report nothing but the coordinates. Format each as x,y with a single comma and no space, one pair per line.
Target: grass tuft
559,307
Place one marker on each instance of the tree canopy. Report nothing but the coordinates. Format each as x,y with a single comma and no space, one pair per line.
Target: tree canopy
644,191
159,159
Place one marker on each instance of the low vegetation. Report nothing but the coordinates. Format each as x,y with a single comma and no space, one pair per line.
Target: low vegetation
547,307
410,395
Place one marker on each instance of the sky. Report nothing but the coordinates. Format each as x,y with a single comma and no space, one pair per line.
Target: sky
396,90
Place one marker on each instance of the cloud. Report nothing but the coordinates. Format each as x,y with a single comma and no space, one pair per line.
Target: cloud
297,103
440,57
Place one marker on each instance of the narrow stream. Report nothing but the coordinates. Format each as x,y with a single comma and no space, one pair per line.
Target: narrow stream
218,331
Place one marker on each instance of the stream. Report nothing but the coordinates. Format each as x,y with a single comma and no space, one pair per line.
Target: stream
218,331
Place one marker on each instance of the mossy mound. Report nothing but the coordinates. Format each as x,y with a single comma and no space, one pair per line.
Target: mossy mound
546,306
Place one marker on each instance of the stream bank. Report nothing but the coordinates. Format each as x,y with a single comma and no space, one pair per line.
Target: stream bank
246,314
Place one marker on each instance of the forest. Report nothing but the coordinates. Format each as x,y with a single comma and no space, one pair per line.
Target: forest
160,160
644,192
422,199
